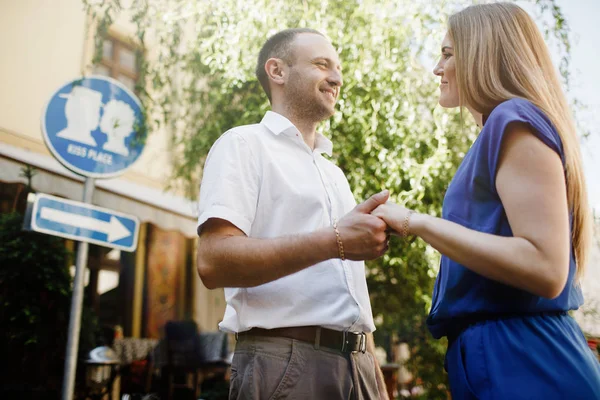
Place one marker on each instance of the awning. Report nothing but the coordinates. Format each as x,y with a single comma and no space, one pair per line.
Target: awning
165,210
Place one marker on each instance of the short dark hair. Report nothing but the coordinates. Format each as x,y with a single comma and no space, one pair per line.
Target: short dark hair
277,46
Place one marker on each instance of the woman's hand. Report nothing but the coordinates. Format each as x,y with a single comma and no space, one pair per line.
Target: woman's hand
394,215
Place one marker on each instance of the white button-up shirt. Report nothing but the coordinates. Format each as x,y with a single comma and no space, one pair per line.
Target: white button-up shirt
266,181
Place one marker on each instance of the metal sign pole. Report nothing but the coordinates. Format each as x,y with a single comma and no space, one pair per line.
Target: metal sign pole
76,303
72,141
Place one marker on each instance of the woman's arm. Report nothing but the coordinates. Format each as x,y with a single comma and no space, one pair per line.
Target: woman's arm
531,186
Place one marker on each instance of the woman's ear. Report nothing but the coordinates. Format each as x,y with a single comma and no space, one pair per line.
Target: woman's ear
275,70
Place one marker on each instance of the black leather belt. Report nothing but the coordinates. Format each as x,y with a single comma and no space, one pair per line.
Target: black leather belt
346,342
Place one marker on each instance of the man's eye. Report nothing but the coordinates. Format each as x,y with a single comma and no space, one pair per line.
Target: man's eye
322,64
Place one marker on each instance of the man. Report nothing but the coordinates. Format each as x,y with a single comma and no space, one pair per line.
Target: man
279,230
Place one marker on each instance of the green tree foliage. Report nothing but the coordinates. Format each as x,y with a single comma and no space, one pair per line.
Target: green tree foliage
35,297
197,81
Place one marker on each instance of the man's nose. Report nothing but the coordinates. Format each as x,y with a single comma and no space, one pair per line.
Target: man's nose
335,79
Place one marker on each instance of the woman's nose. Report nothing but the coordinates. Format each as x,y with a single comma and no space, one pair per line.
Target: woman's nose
438,70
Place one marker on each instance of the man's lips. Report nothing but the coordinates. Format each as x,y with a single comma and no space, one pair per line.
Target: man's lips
330,92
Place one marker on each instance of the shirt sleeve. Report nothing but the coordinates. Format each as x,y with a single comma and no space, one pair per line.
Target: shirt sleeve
517,110
230,183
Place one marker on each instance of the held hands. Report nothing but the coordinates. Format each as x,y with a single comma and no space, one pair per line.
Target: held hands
364,235
395,216
365,230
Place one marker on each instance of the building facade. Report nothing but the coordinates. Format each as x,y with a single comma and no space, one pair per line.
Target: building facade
45,45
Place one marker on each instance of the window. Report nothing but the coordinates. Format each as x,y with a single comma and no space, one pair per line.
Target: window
118,62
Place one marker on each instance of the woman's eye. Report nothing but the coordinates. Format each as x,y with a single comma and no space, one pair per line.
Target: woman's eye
446,55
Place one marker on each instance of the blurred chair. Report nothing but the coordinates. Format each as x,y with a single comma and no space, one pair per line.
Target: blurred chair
182,341
216,361
214,349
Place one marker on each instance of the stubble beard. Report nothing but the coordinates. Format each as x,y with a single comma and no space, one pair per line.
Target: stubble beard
306,107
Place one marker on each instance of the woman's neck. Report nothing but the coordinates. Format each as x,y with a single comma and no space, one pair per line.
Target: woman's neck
477,116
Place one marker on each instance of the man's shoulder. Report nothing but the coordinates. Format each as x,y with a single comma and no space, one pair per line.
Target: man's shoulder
240,135
249,132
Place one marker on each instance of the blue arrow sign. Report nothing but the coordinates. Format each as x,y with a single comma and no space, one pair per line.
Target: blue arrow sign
84,222
93,126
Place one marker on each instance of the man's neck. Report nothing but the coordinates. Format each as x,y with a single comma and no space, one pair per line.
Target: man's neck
308,129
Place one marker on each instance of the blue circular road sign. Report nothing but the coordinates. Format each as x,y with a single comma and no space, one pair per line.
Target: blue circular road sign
91,125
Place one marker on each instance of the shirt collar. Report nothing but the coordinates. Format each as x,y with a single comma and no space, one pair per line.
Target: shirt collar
278,124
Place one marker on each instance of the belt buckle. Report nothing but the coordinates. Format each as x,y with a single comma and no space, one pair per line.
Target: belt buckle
361,337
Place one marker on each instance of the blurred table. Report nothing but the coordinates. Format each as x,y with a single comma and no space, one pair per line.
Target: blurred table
131,349
102,378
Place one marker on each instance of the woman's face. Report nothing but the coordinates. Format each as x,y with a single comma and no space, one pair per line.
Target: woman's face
445,69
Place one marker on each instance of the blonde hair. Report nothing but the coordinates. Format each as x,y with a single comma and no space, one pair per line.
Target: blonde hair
500,54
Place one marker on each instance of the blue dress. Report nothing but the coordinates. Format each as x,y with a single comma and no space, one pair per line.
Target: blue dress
506,343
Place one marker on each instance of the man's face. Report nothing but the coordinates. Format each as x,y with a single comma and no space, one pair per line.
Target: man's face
313,84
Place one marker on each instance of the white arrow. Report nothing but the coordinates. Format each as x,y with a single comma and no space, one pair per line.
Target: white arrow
114,229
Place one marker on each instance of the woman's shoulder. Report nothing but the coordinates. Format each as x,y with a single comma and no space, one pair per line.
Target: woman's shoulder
517,109
522,111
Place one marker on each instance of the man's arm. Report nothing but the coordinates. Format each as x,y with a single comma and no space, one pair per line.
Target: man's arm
228,258
383,394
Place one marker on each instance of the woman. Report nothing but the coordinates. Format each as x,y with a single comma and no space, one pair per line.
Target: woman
516,222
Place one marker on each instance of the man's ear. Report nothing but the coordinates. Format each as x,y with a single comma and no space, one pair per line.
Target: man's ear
275,68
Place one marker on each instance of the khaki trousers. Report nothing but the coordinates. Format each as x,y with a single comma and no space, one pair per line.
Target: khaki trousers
266,368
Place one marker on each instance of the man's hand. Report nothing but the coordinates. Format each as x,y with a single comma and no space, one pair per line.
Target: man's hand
228,258
364,235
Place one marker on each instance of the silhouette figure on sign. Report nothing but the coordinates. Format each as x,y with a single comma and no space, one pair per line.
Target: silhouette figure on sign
117,122
82,111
